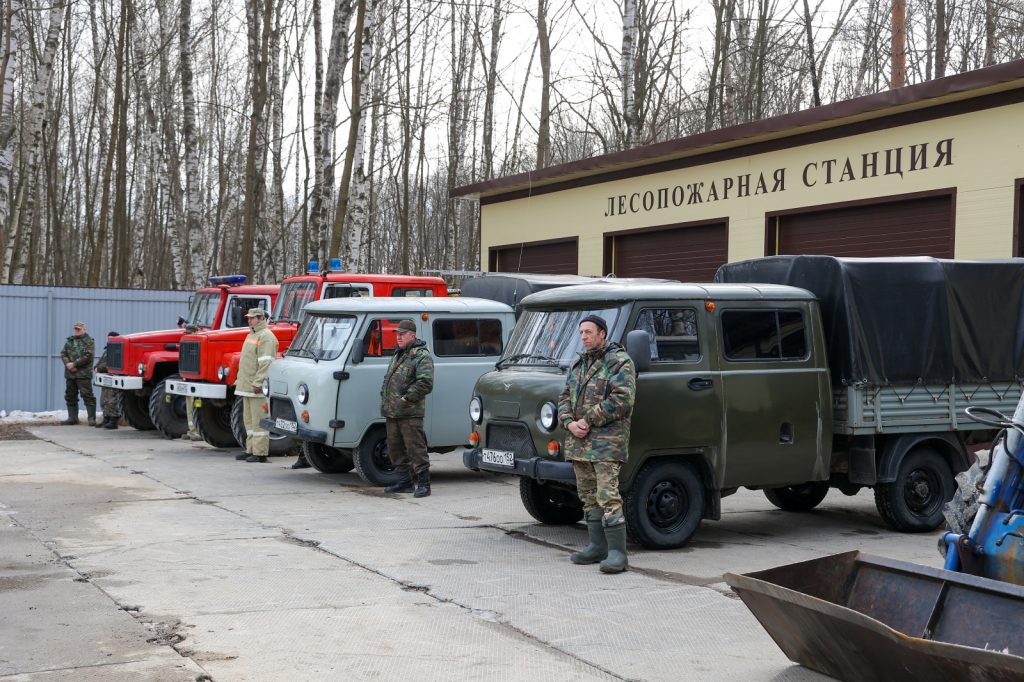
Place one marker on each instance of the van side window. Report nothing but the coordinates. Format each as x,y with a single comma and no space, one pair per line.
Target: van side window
346,291
412,293
380,340
238,306
673,333
454,338
763,335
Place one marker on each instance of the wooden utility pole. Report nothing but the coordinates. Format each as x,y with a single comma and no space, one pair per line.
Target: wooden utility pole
898,77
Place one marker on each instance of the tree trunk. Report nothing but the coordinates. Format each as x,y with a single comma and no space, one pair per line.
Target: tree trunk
9,71
811,60
627,72
193,197
941,38
337,60
544,125
357,246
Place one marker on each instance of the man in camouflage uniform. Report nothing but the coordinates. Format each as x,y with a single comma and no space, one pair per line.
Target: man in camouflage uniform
79,351
108,396
595,408
410,377
258,351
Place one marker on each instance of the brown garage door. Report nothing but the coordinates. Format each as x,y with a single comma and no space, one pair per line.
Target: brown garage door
689,253
919,226
556,257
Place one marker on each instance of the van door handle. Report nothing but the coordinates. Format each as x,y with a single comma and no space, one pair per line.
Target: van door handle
699,383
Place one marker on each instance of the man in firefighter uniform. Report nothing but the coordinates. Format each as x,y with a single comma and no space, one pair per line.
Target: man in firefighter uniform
408,380
108,396
258,351
595,408
79,351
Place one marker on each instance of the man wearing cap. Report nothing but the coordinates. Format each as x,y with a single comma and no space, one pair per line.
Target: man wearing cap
258,351
108,396
79,351
595,408
408,380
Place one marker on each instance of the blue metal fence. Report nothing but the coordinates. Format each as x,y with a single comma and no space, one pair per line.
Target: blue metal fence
35,322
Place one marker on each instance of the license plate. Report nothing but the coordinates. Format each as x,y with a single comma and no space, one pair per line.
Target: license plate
285,425
499,457
106,380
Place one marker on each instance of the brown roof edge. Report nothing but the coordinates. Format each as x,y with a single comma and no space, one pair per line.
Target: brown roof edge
959,83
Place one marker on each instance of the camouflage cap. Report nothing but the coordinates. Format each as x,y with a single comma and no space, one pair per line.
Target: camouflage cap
79,325
256,312
407,326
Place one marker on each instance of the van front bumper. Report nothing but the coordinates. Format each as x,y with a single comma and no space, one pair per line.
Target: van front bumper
197,389
118,381
537,468
300,431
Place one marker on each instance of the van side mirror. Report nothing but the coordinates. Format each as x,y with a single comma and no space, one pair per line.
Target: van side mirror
638,345
357,352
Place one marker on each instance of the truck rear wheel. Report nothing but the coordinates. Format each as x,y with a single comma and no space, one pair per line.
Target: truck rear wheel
798,498
371,459
135,410
279,445
167,410
214,424
327,460
550,504
913,502
665,504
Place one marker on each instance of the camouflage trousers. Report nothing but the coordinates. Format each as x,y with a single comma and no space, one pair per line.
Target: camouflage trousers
407,445
79,385
597,484
257,438
109,402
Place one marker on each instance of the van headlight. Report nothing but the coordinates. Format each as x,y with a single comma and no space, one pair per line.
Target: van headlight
142,368
266,387
222,373
476,409
549,416
303,393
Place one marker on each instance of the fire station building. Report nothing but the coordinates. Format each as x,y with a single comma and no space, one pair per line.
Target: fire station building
935,169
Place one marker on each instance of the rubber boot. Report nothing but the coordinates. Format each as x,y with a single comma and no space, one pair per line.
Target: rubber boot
110,422
72,415
402,485
91,411
422,481
616,561
301,462
100,425
597,550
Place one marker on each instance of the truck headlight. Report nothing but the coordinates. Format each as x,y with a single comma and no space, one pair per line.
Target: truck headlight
142,368
549,416
303,394
266,387
476,409
222,373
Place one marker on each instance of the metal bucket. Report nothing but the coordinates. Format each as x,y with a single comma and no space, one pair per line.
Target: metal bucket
857,617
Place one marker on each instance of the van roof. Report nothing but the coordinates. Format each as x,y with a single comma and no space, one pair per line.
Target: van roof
612,291
410,305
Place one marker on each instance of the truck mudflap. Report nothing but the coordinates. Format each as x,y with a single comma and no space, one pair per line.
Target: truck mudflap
858,617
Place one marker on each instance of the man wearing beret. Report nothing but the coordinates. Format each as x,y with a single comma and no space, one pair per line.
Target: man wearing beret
258,351
410,377
595,408
77,356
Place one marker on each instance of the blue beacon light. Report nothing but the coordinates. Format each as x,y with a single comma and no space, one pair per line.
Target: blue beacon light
229,280
313,268
334,265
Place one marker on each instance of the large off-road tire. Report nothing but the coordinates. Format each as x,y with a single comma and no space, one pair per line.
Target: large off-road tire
167,410
665,504
135,410
913,502
550,504
214,424
280,446
798,498
327,460
371,459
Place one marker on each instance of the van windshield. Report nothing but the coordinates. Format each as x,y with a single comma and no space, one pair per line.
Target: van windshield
203,310
550,338
291,300
322,337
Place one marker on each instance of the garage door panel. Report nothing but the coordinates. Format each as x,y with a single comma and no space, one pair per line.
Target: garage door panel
545,258
690,253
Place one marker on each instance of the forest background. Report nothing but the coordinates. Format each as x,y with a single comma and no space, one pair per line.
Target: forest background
151,143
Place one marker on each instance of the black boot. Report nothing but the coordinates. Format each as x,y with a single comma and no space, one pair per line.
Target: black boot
597,550
256,458
242,456
301,462
100,425
91,411
72,415
110,422
402,485
422,480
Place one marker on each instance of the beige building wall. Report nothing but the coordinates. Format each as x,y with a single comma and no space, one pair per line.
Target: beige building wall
987,155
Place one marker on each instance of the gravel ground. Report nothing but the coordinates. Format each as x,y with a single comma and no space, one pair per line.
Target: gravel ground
15,432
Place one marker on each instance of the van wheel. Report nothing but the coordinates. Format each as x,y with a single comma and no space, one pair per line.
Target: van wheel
550,504
371,459
214,424
280,446
798,498
167,410
665,504
135,410
913,502
327,460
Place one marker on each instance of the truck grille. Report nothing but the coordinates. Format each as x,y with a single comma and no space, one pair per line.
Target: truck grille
188,357
512,437
115,355
282,408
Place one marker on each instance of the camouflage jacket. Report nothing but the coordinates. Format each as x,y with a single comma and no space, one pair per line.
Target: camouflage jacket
258,351
600,388
79,350
410,375
101,366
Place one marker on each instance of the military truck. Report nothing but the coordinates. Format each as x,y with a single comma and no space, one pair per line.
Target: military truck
209,360
856,377
139,365
326,390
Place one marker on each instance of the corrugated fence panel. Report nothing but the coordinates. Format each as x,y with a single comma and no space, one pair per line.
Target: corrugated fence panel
37,320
